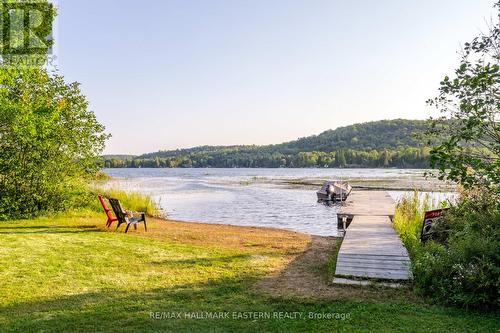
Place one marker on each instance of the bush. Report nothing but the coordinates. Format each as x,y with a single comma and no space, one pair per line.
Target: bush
50,142
463,269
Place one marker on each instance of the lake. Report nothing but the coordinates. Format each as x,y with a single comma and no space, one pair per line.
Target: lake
280,198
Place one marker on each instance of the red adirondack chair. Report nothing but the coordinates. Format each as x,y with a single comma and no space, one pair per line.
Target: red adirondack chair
108,211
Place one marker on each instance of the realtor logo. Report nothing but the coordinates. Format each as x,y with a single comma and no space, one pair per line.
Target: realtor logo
26,29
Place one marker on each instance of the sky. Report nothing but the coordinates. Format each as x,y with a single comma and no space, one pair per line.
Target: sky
176,74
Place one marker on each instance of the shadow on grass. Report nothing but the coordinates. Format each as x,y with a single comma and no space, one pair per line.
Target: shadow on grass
186,308
136,310
52,229
132,311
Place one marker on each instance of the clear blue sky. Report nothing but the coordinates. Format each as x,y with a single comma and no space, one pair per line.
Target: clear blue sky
171,74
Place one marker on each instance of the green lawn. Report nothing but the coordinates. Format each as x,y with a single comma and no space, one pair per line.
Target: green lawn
65,274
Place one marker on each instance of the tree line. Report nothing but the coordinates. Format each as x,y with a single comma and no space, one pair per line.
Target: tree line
385,143
254,158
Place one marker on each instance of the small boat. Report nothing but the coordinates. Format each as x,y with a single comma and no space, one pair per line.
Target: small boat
334,190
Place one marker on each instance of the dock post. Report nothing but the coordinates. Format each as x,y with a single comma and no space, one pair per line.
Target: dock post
344,224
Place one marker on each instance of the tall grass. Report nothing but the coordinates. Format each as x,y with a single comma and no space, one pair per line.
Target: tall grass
408,218
460,265
131,201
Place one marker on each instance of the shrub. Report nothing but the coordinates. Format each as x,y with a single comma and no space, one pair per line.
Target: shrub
463,269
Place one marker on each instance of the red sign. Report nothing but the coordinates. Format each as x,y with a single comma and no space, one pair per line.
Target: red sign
431,218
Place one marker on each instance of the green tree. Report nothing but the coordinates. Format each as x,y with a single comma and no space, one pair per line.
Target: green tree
49,141
470,104
461,264
384,159
340,159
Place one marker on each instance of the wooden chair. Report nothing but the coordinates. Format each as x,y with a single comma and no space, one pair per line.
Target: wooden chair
108,211
126,217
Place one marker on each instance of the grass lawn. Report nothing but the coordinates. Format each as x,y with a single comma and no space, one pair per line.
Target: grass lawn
63,274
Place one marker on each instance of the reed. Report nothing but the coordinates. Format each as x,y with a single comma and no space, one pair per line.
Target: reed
408,218
130,200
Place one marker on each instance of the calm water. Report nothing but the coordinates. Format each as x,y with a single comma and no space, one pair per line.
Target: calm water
249,197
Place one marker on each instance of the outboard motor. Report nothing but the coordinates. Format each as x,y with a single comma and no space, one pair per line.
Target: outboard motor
330,190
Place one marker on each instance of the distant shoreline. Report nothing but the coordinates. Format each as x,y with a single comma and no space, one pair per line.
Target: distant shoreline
286,167
395,183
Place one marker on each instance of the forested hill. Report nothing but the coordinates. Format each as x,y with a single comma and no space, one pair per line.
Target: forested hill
385,134
386,143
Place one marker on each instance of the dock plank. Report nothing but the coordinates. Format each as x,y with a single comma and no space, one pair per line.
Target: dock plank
371,247
371,203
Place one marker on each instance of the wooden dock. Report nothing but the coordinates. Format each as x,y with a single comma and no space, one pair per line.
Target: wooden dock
371,247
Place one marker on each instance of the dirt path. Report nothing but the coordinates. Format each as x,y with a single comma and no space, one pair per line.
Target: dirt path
308,275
